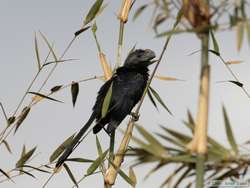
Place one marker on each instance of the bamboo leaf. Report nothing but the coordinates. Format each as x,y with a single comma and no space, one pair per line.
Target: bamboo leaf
240,33
6,144
70,174
93,11
123,175
27,173
216,46
152,99
22,117
139,11
98,146
81,31
157,96
74,92
11,120
214,52
37,54
80,160
58,61
25,157
132,176
35,168
44,96
49,46
233,62
96,163
5,174
236,83
56,88
58,151
106,101
248,31
230,135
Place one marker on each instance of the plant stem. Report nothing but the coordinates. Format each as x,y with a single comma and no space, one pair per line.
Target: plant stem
120,44
200,137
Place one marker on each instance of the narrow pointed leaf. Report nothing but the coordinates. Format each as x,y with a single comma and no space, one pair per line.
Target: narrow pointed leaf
22,117
49,46
59,61
11,120
157,96
5,173
81,31
35,168
106,101
167,78
240,33
236,83
93,11
96,163
123,175
24,158
44,96
233,62
132,176
37,54
7,146
74,92
152,99
230,136
27,173
56,88
214,52
58,151
139,11
80,160
70,174
216,46
98,146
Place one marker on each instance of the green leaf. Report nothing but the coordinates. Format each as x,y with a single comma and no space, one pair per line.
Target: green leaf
94,28
80,160
56,88
58,61
70,174
27,173
5,174
214,52
6,145
81,31
93,11
152,140
74,92
236,83
132,176
22,117
152,99
61,148
44,96
157,96
240,34
25,157
139,11
37,54
49,46
96,163
123,175
248,31
230,136
106,101
11,120
35,168
98,146
216,46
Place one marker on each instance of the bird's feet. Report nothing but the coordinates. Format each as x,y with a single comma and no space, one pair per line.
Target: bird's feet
135,116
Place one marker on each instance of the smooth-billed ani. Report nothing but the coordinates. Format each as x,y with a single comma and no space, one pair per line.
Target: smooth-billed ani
128,84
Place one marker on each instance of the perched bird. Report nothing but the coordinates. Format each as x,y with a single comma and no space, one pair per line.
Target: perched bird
128,84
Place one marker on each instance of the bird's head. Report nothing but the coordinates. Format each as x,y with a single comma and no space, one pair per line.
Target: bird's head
140,58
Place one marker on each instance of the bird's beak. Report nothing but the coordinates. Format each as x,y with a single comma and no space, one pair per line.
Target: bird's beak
151,62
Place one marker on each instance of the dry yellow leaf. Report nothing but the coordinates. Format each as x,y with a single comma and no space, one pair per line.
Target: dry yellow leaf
36,99
123,15
233,62
166,78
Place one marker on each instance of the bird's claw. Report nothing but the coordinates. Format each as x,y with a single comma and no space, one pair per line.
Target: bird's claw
135,116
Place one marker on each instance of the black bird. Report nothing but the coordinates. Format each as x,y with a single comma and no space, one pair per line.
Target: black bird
128,84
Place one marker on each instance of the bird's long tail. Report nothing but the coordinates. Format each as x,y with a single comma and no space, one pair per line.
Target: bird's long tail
75,141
